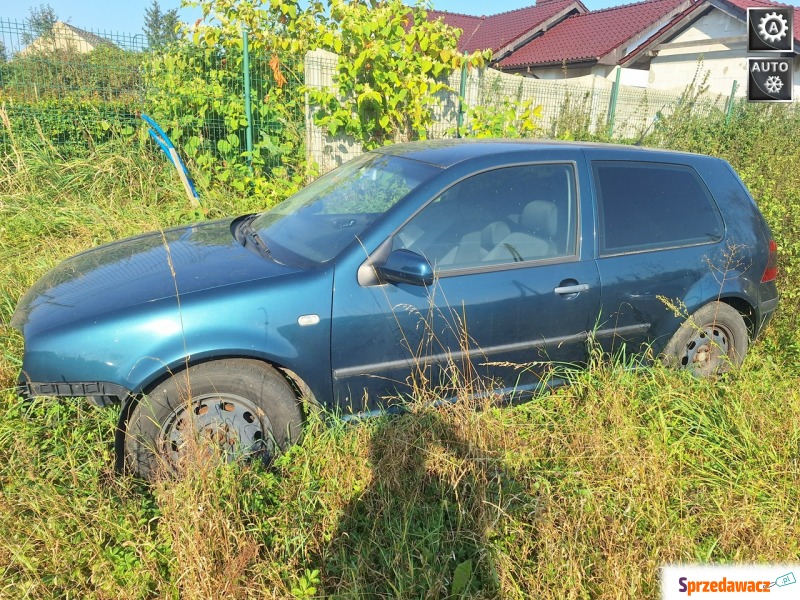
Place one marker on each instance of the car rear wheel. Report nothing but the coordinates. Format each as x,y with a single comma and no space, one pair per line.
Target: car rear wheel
709,342
223,410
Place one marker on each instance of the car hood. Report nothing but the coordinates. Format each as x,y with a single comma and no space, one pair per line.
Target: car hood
142,269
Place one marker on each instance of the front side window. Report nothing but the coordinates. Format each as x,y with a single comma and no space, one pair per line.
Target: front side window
504,216
645,206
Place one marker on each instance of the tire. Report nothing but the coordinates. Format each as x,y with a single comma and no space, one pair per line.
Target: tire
240,408
709,342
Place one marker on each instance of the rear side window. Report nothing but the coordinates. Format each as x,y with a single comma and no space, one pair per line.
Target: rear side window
645,206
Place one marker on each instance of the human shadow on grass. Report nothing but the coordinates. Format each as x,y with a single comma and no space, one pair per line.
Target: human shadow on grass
426,523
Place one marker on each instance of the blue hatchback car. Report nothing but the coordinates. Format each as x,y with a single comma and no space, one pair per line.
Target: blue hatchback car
502,256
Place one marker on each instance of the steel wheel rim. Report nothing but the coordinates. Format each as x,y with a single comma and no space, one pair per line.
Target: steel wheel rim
227,426
708,351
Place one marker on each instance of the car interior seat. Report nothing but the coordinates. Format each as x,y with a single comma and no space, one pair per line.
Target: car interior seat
540,219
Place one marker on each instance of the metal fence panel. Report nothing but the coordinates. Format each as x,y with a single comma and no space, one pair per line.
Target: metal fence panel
567,108
73,88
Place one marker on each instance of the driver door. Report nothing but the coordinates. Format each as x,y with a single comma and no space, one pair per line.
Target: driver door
512,299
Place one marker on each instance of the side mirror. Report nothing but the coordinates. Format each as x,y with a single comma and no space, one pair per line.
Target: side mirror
405,266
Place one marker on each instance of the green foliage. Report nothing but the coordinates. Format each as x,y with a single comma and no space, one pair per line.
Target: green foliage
461,578
505,119
574,120
392,64
306,584
41,21
105,73
70,100
195,93
159,27
499,113
71,125
392,60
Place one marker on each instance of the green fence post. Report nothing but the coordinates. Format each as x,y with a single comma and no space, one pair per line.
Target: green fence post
248,107
612,105
731,101
461,93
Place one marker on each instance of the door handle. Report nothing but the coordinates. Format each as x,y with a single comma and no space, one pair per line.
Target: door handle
565,290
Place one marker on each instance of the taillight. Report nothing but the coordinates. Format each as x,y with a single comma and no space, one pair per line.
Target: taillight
771,271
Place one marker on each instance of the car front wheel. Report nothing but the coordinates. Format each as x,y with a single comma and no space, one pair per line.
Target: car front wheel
709,342
222,410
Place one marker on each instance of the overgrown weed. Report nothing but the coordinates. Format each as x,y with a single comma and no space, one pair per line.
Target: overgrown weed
583,492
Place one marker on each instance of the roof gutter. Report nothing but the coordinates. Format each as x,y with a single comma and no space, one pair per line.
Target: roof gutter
615,56
574,64
670,29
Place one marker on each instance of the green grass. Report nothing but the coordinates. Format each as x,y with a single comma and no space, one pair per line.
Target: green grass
581,493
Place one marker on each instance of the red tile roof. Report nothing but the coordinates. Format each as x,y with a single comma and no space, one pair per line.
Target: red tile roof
466,23
678,21
745,4
497,31
592,35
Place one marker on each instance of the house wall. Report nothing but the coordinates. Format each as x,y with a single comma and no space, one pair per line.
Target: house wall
61,38
630,77
707,49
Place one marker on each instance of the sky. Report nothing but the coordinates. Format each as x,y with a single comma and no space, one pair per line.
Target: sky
127,16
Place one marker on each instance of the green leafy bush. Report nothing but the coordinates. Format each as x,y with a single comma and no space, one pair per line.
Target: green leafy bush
195,93
107,73
70,125
392,64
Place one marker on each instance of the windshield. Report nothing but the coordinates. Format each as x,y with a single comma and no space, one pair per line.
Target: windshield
318,222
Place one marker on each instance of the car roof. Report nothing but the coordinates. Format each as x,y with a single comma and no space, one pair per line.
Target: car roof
448,152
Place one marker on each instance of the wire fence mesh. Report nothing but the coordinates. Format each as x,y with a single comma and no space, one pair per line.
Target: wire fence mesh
66,86
487,102
73,88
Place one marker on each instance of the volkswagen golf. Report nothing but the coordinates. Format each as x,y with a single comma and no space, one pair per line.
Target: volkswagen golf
505,257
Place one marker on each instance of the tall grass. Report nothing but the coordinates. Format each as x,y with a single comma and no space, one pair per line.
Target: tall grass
760,141
581,493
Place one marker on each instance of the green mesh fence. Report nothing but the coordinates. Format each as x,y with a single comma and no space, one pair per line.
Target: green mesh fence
574,108
68,87
72,88
496,104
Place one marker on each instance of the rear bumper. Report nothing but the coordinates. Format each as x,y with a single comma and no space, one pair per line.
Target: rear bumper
765,311
100,393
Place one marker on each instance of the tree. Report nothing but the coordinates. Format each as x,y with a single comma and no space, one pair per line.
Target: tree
40,21
393,61
160,27
393,64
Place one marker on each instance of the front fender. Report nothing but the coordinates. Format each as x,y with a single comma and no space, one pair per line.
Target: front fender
135,348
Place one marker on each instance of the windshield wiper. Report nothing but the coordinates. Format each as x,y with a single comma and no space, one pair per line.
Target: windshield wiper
249,235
